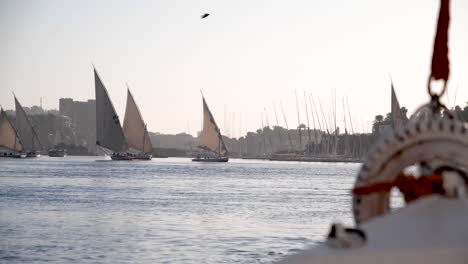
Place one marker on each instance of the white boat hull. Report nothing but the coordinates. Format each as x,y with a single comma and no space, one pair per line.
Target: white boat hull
430,230
211,159
33,154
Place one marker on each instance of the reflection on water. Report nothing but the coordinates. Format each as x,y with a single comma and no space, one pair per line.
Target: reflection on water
77,210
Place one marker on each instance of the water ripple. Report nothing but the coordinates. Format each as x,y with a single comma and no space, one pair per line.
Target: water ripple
77,210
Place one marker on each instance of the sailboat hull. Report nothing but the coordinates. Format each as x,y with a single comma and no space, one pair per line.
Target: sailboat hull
143,156
211,159
12,155
33,154
60,153
121,156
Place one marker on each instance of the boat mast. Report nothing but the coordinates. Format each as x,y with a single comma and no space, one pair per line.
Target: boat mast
349,115
240,135
308,124
353,141
313,123
263,136
345,149
277,124
224,120
326,126
33,142
455,97
298,121
335,143
268,125
319,124
287,127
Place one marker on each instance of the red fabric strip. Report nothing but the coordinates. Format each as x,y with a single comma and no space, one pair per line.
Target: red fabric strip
440,61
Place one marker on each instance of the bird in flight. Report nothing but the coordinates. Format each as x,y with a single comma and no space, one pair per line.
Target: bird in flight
204,15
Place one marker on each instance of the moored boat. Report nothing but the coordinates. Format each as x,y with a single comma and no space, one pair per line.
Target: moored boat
60,153
208,158
33,154
431,228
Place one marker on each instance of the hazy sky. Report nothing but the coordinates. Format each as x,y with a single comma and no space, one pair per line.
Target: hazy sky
245,56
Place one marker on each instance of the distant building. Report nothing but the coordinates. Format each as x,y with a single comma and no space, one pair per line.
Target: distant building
66,106
83,116
179,141
34,110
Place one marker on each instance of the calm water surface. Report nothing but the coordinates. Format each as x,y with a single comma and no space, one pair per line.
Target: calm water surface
84,210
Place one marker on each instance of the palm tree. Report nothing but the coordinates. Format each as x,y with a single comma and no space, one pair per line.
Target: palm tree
377,121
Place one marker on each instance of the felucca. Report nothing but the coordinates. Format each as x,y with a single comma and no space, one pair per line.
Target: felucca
10,143
57,151
135,130
211,139
109,133
29,138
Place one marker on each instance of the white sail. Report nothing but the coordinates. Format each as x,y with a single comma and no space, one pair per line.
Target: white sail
109,133
134,127
211,138
26,132
8,137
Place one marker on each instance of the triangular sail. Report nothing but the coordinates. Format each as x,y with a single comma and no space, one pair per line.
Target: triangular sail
211,138
26,132
8,137
109,133
397,118
134,127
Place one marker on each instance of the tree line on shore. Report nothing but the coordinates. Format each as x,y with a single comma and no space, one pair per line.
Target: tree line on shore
57,130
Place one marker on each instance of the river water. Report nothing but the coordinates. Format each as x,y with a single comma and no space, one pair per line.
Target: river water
91,210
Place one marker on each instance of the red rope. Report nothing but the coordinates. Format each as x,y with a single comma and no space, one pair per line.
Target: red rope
412,188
